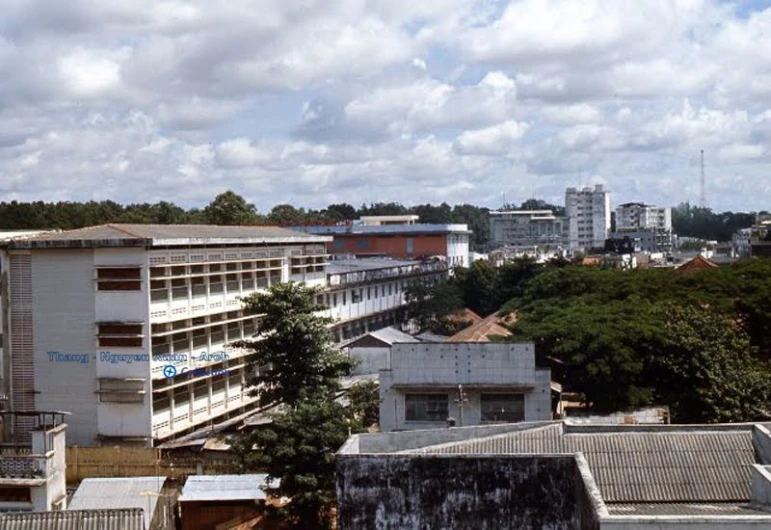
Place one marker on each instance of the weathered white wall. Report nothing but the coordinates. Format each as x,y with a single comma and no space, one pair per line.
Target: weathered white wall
498,367
63,316
371,360
124,419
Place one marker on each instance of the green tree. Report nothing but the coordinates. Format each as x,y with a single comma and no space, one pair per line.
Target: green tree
297,451
299,368
364,404
480,288
229,208
287,215
295,356
704,370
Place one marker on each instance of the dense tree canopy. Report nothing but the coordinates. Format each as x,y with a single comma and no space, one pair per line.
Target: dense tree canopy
698,343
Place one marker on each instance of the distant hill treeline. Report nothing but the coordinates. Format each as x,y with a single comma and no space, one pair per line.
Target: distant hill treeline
229,208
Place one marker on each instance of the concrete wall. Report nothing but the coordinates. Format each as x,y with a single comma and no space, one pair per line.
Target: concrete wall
480,367
63,315
463,493
371,360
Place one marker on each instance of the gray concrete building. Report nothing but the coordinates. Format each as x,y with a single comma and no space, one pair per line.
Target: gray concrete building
528,228
473,383
553,475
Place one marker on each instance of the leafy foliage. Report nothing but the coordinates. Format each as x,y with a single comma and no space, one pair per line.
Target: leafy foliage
698,343
229,208
297,451
295,355
364,404
704,370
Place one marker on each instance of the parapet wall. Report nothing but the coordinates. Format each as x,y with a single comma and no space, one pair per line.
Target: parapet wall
461,492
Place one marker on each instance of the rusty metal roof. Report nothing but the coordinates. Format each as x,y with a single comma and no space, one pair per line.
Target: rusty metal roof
632,464
138,235
126,519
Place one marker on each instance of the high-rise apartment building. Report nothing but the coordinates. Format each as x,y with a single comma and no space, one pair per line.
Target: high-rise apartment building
588,212
636,216
649,226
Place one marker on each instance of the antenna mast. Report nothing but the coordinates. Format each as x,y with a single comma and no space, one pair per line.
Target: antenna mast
702,196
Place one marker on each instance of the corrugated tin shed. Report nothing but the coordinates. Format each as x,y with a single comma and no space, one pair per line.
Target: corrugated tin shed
667,464
126,519
134,492
224,488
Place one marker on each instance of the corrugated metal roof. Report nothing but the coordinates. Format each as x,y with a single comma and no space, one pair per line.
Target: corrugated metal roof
225,487
138,234
133,492
126,519
637,465
711,509
389,336
343,266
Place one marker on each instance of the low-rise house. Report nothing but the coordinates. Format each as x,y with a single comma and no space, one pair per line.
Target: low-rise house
208,501
32,463
472,383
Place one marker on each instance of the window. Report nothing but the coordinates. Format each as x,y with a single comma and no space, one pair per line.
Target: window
369,293
362,243
120,335
119,279
504,408
345,297
409,245
426,407
334,300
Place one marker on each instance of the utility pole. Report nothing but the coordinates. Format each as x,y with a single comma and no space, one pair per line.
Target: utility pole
703,194
461,401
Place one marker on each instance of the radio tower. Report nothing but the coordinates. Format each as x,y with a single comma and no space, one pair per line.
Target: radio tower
702,196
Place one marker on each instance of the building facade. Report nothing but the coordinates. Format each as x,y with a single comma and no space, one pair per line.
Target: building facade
408,240
636,216
32,473
129,326
473,383
528,228
588,212
366,294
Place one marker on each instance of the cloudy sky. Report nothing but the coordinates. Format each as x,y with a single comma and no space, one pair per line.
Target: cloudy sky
320,101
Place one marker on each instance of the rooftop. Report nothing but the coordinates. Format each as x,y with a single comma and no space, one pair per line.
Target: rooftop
125,519
224,488
482,331
387,336
133,492
343,266
417,228
632,464
145,235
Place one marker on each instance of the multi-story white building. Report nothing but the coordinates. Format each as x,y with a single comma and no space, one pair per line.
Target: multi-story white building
364,295
588,212
128,326
528,228
636,216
